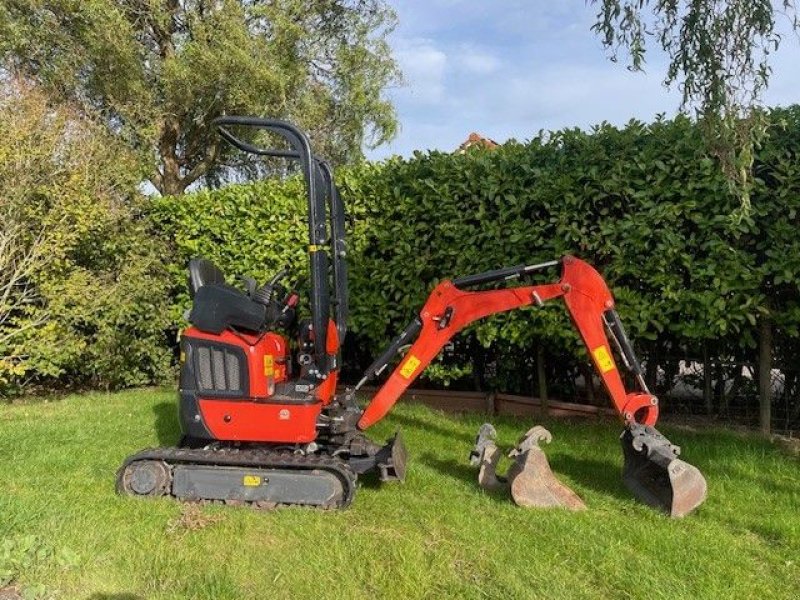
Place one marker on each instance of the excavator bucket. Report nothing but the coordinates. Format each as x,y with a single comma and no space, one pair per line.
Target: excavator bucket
529,478
656,476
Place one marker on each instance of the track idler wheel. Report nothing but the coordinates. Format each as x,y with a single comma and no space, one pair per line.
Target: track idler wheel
529,479
655,475
145,478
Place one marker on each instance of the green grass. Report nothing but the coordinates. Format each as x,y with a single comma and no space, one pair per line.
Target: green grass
65,534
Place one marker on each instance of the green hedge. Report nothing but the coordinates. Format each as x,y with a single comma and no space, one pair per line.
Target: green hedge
643,203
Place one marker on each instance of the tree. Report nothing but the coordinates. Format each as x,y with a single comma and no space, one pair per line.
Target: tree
19,260
718,53
83,291
160,70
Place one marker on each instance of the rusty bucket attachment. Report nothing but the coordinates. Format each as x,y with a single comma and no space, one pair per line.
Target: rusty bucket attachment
656,476
531,482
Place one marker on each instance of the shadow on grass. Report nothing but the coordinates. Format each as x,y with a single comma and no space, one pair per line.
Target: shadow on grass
462,472
371,481
451,468
167,428
452,433
124,596
599,475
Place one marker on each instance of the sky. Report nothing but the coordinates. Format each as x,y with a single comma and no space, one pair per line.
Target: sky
508,68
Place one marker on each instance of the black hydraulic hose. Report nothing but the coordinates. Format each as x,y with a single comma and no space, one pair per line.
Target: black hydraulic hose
500,274
624,345
318,255
379,364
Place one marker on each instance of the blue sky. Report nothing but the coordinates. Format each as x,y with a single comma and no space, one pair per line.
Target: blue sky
509,68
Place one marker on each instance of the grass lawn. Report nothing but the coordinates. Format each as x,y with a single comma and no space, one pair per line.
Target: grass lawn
65,534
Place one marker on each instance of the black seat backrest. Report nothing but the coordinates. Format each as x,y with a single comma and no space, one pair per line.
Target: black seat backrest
203,272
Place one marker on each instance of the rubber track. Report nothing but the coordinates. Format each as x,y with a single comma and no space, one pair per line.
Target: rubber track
251,458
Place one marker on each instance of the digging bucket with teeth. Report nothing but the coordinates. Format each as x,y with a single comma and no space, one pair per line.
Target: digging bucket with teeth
656,476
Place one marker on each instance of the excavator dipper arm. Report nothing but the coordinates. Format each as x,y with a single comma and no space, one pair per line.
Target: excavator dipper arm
652,471
449,309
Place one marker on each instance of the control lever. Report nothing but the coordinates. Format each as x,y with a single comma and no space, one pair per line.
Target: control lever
264,293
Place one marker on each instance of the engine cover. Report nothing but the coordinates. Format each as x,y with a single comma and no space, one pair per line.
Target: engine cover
228,390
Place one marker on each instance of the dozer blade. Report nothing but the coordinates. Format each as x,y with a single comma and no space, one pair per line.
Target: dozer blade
392,460
655,475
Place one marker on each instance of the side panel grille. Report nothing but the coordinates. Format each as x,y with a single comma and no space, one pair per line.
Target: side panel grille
219,369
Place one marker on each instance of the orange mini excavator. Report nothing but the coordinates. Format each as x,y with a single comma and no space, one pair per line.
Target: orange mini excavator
261,417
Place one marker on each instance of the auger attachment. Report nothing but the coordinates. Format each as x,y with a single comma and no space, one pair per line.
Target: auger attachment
529,478
656,476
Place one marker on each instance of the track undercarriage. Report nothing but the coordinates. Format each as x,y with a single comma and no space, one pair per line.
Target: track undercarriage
259,475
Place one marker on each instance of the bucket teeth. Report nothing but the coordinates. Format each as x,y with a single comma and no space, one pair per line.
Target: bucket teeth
656,476
529,478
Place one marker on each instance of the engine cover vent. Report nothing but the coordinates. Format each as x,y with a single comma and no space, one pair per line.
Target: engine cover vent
214,369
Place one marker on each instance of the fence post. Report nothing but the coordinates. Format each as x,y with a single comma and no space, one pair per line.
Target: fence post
707,396
588,379
491,405
765,374
540,377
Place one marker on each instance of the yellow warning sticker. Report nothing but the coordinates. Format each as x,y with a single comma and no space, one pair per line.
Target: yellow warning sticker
603,359
251,481
408,368
183,357
269,365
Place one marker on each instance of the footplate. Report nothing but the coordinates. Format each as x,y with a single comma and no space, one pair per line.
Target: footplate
656,476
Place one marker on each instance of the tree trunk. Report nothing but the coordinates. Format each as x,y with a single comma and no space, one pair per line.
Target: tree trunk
541,379
171,184
478,365
708,397
765,374
719,386
651,367
588,379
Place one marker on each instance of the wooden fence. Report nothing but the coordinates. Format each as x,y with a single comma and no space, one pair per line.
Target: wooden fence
499,404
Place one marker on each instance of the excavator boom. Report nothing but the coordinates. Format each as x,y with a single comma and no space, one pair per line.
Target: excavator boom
652,470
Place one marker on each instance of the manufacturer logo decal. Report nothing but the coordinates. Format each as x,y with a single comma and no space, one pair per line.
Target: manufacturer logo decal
284,414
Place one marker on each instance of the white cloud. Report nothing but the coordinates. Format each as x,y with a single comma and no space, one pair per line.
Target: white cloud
574,94
423,66
477,61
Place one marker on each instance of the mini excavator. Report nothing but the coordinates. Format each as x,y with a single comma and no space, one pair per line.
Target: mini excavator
262,421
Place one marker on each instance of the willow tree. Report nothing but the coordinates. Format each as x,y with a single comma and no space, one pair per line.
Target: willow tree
160,70
718,53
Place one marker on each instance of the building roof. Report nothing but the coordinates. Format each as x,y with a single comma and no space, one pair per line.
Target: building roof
476,139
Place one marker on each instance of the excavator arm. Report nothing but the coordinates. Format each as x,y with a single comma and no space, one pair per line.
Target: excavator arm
449,309
652,470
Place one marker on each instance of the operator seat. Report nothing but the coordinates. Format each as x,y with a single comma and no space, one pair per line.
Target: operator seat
203,272
216,305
